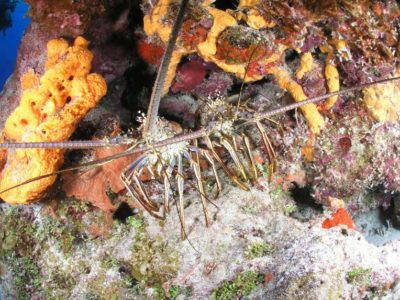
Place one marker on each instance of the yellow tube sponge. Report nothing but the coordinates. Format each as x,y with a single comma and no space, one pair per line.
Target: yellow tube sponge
48,111
55,49
331,75
333,83
222,20
310,111
306,65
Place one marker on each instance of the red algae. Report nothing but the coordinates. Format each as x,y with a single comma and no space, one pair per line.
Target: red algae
150,52
340,217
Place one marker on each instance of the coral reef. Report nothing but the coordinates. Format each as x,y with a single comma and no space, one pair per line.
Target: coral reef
269,242
350,156
259,47
102,22
353,156
50,110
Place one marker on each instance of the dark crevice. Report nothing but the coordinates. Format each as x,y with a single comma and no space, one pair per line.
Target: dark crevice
303,195
394,211
307,208
382,224
292,59
226,4
123,212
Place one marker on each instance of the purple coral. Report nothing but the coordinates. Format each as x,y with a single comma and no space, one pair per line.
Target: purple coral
203,79
188,76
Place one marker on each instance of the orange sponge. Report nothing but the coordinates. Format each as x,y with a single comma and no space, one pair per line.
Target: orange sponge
50,110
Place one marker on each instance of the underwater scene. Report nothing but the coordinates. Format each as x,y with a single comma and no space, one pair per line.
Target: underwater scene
199,149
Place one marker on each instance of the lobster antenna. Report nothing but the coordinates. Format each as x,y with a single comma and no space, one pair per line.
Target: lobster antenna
183,137
286,108
179,138
156,94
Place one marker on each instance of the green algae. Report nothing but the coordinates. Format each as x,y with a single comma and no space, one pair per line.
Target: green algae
360,276
102,287
242,285
26,274
153,260
289,209
176,291
134,222
258,249
25,237
252,208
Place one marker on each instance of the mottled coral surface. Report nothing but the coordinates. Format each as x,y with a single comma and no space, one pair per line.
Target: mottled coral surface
258,45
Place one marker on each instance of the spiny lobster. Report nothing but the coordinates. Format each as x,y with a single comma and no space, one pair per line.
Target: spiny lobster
166,152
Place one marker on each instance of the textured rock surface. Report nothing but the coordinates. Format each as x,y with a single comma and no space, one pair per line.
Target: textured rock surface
251,234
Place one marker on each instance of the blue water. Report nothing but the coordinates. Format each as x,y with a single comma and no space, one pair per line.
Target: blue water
11,36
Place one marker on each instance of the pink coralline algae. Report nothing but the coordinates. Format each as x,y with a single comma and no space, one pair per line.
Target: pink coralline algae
364,159
218,83
188,76
202,79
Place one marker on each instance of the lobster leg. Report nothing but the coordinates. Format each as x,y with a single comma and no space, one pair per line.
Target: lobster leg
234,156
197,172
228,172
131,179
246,141
268,148
214,169
135,192
167,189
180,184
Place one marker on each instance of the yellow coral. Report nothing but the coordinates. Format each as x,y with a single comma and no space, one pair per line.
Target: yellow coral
248,3
383,101
333,83
173,64
331,73
341,48
222,20
253,18
49,111
153,24
310,111
256,21
208,48
306,65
